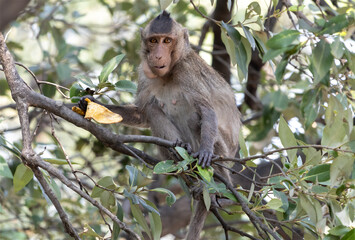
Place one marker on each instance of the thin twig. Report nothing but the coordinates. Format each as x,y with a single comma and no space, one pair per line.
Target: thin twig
252,216
227,227
203,15
320,9
264,155
66,156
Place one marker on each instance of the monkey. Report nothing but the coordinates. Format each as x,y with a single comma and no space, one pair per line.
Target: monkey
180,97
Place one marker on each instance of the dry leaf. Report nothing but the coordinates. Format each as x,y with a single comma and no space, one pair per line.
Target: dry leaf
78,110
101,114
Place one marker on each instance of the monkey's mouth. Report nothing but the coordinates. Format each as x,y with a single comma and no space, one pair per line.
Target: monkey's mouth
159,67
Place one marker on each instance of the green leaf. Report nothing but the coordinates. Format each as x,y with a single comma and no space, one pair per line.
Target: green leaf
337,48
138,215
313,157
126,86
334,134
351,60
287,139
249,37
165,167
333,111
137,178
183,153
133,175
254,6
341,168
133,197
89,232
296,8
85,79
340,189
107,199
228,42
351,144
312,208
319,189
279,100
49,90
272,53
350,235
320,173
206,198
280,70
283,39
310,107
23,175
335,24
55,188
13,149
240,51
339,230
116,229
260,45
145,204
243,146
76,92
282,196
106,182
205,173
321,61
164,4
155,223
170,199
109,67
64,72
4,168
275,204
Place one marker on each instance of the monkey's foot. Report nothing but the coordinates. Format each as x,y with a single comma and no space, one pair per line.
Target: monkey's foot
204,158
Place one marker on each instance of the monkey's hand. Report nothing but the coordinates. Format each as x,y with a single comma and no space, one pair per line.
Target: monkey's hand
83,105
204,157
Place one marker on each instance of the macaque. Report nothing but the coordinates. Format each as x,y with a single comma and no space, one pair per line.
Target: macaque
180,97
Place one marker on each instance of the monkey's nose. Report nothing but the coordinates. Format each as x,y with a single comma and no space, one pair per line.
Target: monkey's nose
158,57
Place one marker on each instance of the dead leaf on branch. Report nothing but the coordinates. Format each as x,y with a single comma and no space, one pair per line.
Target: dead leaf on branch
99,113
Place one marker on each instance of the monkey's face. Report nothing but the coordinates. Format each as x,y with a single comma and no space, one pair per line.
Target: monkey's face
159,53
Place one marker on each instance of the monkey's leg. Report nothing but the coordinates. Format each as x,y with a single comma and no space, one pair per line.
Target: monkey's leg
197,221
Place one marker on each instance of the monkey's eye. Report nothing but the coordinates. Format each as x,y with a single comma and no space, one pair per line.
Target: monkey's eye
167,40
153,40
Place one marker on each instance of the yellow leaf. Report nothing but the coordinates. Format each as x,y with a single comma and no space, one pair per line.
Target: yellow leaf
101,114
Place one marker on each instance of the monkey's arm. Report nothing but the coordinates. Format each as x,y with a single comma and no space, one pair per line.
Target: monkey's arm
130,113
209,128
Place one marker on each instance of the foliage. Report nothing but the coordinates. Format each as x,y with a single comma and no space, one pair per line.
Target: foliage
306,122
